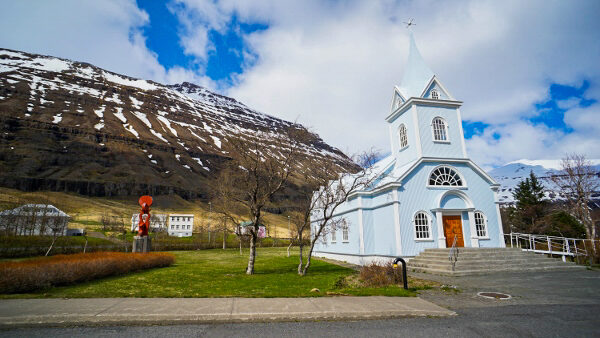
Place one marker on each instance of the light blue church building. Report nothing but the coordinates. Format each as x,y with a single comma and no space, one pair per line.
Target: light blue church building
428,193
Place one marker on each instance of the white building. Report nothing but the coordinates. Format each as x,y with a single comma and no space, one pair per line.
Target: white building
181,225
158,222
33,220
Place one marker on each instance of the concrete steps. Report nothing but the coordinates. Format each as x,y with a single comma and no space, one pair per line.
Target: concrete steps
477,261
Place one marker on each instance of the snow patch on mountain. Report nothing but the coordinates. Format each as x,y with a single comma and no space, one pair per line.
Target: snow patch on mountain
510,175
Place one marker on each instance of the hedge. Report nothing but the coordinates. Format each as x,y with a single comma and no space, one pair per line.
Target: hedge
39,273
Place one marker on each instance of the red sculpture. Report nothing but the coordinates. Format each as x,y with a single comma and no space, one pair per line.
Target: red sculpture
144,218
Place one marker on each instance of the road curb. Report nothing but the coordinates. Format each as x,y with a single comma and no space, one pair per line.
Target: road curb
161,311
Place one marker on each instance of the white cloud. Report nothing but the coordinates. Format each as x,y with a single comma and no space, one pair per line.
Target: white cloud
568,103
522,139
197,18
105,33
334,64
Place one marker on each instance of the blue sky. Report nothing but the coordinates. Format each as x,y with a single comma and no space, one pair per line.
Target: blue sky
530,84
225,58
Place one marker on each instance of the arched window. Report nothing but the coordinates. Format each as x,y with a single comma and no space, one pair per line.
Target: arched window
422,226
402,136
435,95
480,224
445,176
439,129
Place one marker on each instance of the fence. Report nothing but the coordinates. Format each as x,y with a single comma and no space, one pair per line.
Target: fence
554,245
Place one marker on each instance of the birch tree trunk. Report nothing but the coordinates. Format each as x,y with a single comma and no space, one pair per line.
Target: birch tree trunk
250,268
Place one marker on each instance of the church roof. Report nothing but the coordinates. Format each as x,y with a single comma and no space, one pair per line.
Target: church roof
416,74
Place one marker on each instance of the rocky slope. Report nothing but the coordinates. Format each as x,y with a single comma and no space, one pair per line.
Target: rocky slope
71,126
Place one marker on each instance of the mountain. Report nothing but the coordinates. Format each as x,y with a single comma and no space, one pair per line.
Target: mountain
71,126
511,174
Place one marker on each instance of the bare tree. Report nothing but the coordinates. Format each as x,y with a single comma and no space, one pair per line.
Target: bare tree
251,180
57,227
332,188
576,182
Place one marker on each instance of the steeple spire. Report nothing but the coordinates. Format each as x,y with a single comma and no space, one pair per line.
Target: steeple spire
416,74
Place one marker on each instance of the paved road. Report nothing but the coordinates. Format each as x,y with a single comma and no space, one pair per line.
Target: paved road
549,304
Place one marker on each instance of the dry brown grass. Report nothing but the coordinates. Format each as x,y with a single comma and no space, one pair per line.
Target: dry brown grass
380,275
39,273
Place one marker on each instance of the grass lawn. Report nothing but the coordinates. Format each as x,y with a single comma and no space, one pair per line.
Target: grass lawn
221,273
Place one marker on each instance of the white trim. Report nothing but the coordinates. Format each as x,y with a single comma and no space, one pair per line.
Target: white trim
446,133
415,100
397,223
485,224
361,226
453,212
440,225
434,79
356,259
397,92
439,83
399,129
462,178
500,230
391,185
385,204
445,187
429,226
391,133
415,117
462,134
461,194
473,230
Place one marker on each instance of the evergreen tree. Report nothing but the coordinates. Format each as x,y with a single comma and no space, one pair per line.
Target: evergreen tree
530,204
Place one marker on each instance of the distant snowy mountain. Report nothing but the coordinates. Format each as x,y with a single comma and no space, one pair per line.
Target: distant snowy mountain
511,174
71,126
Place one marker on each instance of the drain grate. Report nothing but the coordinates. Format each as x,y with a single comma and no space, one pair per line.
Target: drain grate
494,295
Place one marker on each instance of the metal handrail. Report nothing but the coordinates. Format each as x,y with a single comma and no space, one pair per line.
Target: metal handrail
404,277
453,254
553,245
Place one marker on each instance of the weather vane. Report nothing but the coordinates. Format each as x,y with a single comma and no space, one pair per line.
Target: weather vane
411,22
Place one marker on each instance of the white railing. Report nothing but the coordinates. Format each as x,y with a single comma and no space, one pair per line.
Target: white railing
552,245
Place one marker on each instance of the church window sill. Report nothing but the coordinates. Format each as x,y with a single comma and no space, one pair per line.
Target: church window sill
440,141
423,239
442,187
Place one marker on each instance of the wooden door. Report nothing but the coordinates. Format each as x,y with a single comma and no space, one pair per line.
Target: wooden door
453,227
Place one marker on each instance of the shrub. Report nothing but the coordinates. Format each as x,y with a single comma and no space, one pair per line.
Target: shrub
380,275
39,273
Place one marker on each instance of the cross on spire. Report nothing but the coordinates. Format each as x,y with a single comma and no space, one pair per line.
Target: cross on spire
410,22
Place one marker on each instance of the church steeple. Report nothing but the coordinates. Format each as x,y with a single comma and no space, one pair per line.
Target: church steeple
417,74
425,119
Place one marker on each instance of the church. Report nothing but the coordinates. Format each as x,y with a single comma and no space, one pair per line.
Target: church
427,193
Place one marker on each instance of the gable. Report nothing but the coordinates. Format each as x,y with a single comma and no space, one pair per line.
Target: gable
397,99
471,173
435,84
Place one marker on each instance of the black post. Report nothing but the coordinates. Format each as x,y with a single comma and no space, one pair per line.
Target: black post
404,279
